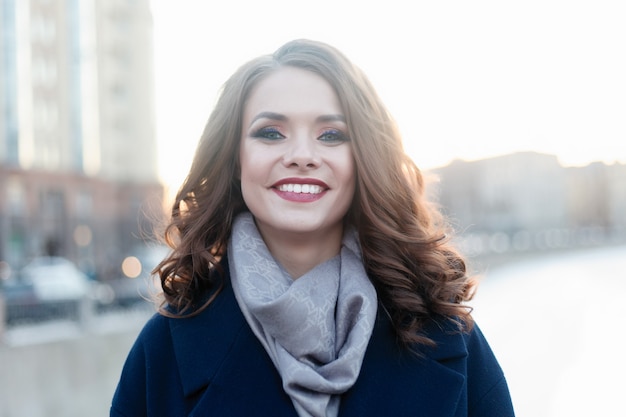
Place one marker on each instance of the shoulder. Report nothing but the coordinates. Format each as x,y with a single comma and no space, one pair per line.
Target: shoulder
146,362
469,353
153,344
156,327
165,361
451,339
458,376
164,333
488,392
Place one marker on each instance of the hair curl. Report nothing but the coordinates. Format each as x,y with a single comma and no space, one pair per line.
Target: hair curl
405,241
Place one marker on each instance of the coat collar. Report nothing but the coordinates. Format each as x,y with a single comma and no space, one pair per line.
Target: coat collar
223,365
396,382
217,349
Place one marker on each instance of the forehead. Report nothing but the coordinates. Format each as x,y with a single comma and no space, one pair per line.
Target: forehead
292,90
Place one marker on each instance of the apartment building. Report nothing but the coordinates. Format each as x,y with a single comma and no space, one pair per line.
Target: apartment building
78,153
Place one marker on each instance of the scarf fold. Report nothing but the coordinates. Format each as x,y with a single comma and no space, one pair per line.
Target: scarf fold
315,328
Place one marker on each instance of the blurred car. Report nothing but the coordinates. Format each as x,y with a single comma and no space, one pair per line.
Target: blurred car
17,292
46,288
55,279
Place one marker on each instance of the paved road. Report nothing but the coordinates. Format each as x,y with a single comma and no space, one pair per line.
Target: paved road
558,327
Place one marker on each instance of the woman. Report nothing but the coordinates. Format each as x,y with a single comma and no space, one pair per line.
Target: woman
309,276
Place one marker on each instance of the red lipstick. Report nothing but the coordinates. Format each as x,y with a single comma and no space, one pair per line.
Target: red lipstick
299,196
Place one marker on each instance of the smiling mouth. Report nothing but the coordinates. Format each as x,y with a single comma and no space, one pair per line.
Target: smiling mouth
300,188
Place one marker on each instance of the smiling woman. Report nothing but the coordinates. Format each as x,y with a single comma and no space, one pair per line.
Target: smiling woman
309,275
297,169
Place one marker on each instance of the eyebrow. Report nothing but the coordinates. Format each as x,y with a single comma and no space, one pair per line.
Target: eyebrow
331,118
269,115
282,118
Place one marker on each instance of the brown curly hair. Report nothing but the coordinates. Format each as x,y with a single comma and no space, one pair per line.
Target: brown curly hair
405,240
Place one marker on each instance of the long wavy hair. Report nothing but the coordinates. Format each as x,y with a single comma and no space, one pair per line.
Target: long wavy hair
405,241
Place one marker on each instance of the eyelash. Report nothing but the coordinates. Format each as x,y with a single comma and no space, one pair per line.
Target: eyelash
266,132
328,136
337,136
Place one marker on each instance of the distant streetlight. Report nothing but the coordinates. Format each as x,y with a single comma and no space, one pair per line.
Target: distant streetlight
131,267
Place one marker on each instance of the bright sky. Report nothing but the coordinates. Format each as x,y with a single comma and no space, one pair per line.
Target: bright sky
464,79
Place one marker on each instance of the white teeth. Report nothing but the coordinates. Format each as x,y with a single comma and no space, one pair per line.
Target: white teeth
300,188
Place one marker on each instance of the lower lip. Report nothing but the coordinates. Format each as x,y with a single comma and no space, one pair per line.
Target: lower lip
299,197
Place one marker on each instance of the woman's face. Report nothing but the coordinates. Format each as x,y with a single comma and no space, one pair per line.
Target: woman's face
297,169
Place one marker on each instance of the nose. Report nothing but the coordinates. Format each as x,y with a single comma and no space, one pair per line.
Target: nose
301,152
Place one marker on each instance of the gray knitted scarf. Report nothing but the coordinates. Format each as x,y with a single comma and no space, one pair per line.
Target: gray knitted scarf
315,328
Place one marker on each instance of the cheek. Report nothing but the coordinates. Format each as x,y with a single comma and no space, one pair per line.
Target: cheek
347,169
246,163
252,174
248,189
246,178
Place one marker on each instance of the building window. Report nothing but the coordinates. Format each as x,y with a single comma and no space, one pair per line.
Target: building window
42,29
44,71
16,198
84,204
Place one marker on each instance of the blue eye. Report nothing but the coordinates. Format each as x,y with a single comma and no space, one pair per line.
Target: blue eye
269,133
333,136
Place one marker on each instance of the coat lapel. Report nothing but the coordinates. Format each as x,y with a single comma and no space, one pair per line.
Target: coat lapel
395,382
223,368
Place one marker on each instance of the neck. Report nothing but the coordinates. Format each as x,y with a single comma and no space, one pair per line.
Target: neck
299,254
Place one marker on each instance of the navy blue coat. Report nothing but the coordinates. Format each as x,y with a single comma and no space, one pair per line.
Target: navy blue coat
213,365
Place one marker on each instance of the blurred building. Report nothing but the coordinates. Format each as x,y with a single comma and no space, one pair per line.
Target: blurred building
520,191
78,152
527,201
597,197
616,179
